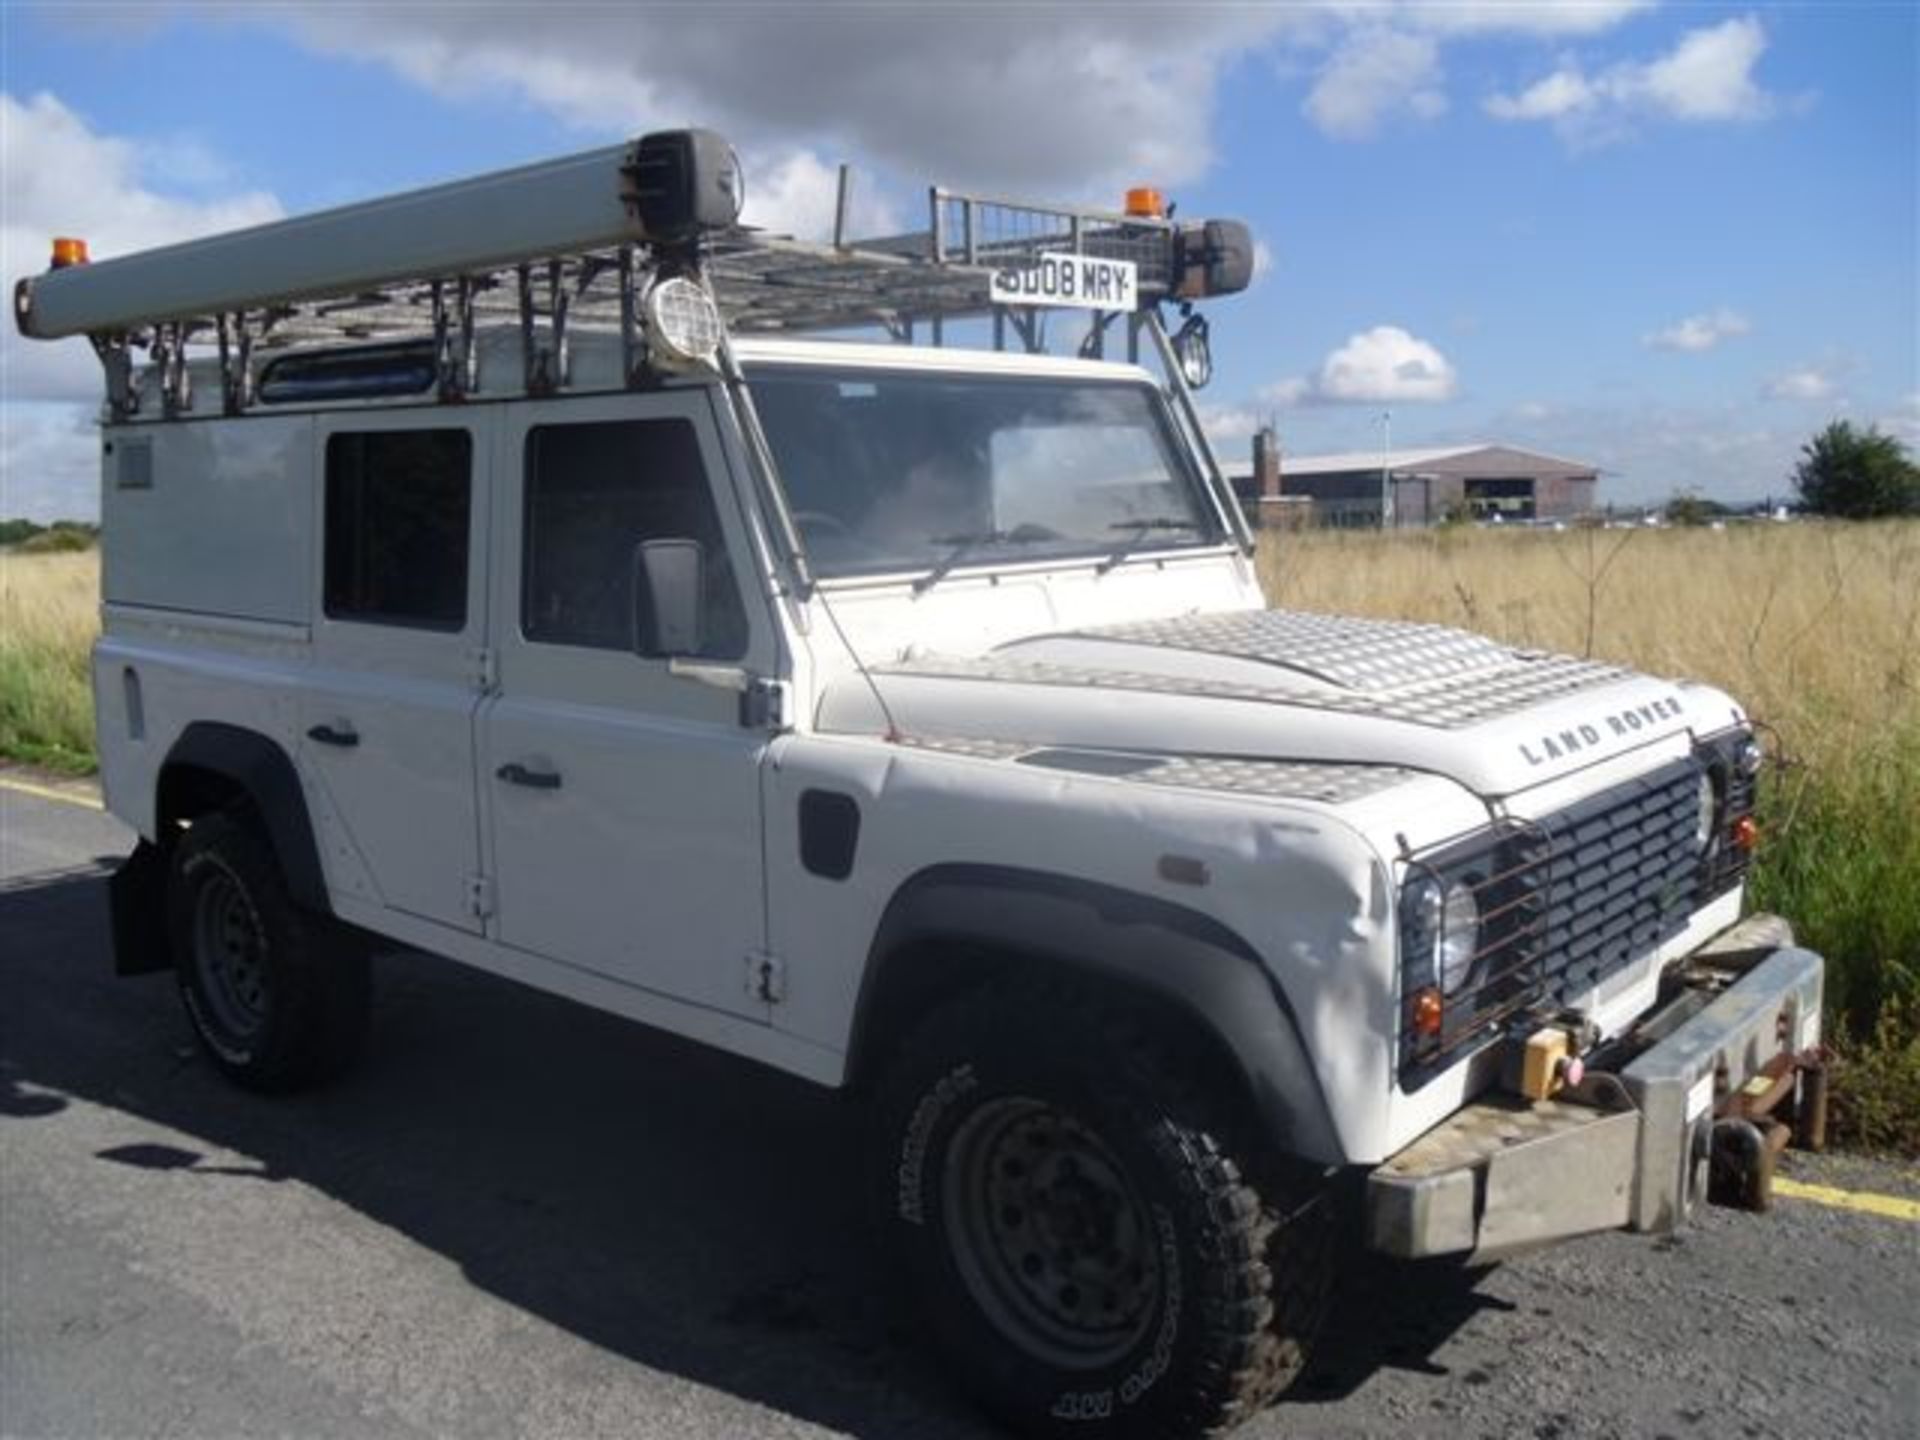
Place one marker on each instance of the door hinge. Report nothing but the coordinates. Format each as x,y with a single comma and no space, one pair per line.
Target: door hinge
766,977
480,896
766,704
486,670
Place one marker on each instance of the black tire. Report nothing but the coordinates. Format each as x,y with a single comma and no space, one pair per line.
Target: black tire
1092,1250
278,998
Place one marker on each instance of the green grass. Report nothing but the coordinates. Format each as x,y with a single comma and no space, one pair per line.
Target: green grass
1840,856
47,624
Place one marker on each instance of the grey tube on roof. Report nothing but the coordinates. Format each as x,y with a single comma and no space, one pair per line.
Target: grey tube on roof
554,207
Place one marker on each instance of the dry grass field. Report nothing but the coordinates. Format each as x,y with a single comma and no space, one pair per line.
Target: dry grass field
48,617
1815,627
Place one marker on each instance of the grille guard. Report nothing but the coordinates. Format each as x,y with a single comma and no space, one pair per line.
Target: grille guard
1569,900
1503,1176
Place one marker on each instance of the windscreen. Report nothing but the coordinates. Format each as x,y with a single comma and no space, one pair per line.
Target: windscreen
890,472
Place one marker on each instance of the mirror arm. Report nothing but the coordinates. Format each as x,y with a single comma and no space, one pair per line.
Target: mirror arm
705,672
763,702
1225,502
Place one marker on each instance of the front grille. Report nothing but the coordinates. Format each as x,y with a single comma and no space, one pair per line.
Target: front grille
1568,901
1616,876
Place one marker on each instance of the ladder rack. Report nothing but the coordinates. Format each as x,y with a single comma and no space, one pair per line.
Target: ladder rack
557,248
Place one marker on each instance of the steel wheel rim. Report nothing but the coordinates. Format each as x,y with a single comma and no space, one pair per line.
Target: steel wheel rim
229,950
1049,1234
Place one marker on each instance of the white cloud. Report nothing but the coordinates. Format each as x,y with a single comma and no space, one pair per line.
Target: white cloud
1384,365
1068,98
49,462
58,176
1055,95
1375,74
1231,426
798,194
63,178
1706,77
1532,17
1699,332
1808,382
1565,92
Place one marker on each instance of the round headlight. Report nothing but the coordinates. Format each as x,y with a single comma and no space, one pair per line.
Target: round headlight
1709,813
683,323
1459,938
1450,917
1749,757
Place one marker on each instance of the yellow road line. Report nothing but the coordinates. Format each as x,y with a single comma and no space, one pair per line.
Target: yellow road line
47,792
1864,1201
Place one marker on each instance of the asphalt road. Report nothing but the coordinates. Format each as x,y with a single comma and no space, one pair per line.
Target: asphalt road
519,1217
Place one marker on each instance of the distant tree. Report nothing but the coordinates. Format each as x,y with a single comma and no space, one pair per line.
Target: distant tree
1856,474
58,540
12,532
1688,508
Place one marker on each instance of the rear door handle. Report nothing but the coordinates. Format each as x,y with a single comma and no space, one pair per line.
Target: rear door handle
327,735
514,773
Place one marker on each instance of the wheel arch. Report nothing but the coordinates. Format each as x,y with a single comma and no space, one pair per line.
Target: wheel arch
212,766
952,928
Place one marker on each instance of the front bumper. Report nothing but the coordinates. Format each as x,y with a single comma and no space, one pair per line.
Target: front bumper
1504,1175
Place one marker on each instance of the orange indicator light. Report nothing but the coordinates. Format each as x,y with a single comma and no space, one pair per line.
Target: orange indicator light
68,251
1746,832
1146,202
1427,1011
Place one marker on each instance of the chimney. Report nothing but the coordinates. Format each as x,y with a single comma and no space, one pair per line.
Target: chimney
1266,463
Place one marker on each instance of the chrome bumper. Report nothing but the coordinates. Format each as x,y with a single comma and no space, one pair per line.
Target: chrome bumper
1504,1175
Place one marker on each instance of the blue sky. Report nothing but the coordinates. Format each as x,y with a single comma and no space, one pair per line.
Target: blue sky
1672,239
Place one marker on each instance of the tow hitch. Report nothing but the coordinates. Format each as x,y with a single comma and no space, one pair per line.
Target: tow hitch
1749,1132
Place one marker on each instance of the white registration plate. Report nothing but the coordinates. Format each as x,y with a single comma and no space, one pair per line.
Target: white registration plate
1090,282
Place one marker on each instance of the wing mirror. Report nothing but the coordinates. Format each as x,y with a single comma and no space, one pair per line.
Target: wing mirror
669,597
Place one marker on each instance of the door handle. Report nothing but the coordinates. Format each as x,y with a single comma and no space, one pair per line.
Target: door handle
514,773
327,735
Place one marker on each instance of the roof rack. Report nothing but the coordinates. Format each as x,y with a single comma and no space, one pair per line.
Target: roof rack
572,244
589,241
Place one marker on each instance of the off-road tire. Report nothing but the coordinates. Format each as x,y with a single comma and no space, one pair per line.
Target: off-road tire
277,998
1238,1244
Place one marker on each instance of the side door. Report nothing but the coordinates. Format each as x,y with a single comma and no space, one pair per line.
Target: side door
387,723
623,799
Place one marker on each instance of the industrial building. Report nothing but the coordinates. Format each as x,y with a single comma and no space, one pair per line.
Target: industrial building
1422,487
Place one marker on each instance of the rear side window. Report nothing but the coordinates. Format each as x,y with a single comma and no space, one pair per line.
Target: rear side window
594,492
399,506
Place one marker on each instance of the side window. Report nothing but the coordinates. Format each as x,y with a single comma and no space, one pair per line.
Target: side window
399,506
594,492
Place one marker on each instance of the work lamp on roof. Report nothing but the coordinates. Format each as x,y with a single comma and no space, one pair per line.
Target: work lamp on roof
1193,349
683,324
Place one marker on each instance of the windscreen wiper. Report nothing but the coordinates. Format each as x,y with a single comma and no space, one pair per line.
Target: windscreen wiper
1141,530
965,545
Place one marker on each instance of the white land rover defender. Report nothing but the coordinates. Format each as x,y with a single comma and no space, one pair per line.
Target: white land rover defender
489,571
